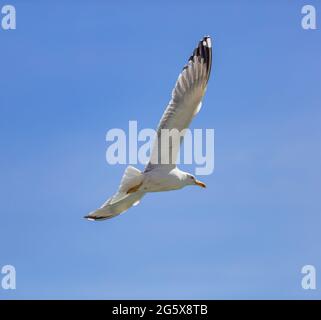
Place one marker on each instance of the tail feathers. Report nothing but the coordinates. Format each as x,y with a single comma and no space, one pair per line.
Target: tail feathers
131,177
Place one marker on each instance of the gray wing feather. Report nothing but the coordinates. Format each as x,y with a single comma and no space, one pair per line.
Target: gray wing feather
186,100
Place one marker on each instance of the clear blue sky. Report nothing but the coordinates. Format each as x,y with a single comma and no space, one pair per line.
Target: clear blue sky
74,69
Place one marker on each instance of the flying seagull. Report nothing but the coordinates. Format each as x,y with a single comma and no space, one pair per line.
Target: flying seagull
158,175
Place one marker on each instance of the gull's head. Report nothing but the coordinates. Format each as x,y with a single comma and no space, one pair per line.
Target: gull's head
191,180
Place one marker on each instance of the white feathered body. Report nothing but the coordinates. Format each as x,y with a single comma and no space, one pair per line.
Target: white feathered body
160,179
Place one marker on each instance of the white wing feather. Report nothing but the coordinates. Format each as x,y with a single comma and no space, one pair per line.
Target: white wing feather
185,103
121,201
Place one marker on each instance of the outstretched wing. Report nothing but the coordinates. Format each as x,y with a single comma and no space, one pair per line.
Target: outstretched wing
184,105
114,208
121,201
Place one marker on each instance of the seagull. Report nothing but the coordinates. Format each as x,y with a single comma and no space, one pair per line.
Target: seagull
185,103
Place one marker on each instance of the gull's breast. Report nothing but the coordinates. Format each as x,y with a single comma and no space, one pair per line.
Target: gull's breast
157,183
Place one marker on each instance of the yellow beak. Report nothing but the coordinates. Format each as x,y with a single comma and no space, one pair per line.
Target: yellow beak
201,184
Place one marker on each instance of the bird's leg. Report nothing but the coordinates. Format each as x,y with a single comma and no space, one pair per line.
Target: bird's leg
135,188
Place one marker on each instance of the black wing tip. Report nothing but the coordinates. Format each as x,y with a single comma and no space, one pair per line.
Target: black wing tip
95,218
203,50
206,42
91,218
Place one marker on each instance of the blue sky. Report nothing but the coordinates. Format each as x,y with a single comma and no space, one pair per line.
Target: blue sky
73,70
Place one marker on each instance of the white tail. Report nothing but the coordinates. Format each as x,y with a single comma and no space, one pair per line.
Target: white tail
131,177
